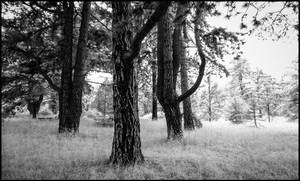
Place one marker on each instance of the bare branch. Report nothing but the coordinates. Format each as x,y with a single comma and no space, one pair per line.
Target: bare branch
155,17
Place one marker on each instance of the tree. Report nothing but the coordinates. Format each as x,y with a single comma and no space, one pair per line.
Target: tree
211,100
270,95
70,96
290,92
166,82
126,146
179,37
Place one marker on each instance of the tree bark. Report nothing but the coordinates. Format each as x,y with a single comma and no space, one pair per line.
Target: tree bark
166,90
126,146
79,68
189,122
66,123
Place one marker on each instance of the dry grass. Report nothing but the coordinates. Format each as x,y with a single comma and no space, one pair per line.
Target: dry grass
32,149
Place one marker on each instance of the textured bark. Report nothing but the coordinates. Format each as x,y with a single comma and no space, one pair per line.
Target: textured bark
66,123
154,89
78,80
126,146
166,90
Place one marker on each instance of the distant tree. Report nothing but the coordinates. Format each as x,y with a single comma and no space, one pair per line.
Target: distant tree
270,96
253,93
211,101
290,92
237,108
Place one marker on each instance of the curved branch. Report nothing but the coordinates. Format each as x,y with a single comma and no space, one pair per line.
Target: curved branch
202,57
155,17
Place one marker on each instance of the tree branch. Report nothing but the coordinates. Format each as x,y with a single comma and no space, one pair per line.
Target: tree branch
203,60
155,17
38,60
46,9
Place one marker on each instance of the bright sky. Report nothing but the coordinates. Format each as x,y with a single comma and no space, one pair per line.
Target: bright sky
273,57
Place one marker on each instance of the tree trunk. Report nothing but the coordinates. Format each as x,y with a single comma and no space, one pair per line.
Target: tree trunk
76,105
166,90
34,106
66,122
179,56
260,113
268,112
154,89
126,146
254,115
209,99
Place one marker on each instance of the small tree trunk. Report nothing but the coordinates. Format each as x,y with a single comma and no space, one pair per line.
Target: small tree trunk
254,115
268,112
154,90
260,113
209,99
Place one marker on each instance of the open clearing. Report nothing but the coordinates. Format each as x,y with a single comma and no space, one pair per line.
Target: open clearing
32,149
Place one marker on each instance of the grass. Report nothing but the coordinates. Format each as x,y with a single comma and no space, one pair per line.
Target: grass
32,149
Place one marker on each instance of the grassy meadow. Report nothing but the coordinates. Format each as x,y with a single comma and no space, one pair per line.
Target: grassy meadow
32,149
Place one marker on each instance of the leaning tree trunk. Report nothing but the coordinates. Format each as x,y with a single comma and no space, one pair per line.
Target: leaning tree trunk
166,90
66,122
79,74
126,147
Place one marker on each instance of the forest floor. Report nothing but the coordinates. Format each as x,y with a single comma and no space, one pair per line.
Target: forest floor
32,149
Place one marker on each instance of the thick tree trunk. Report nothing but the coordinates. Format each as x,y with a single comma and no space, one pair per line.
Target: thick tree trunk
126,146
66,122
166,91
76,105
154,89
